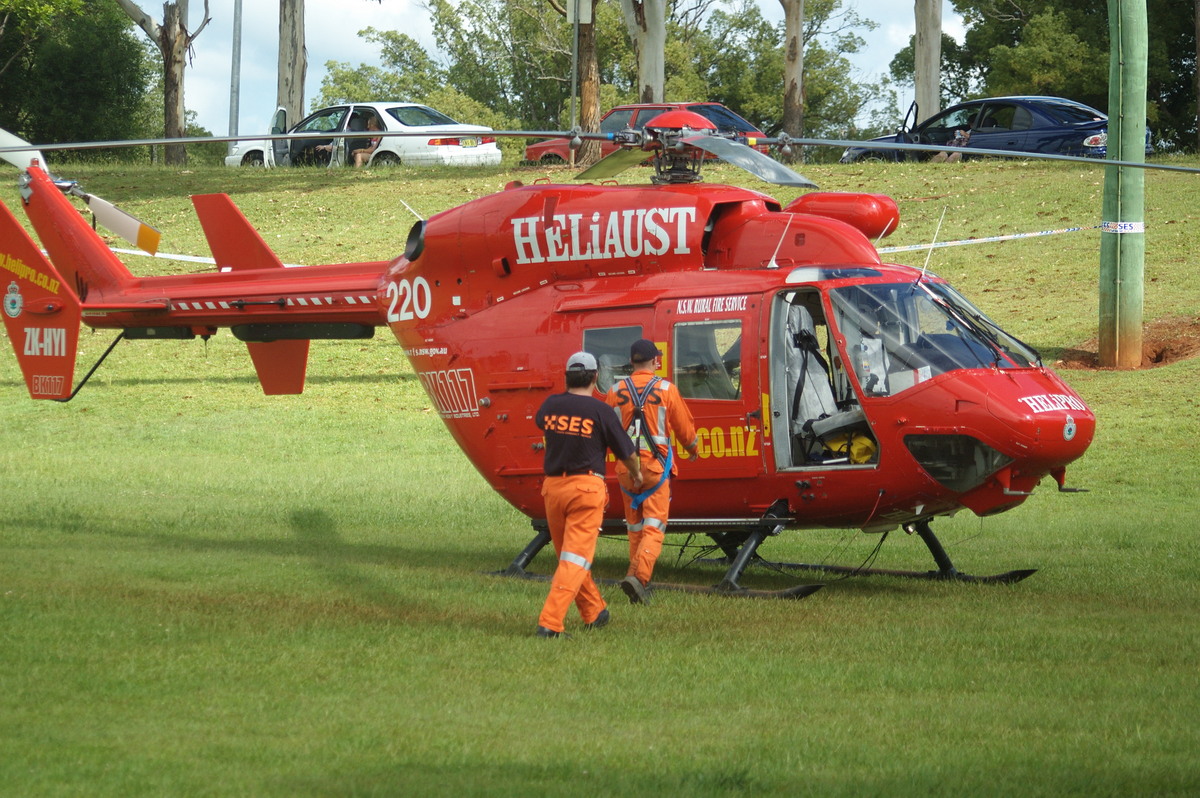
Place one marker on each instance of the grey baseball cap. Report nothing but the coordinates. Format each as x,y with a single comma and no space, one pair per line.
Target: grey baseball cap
581,361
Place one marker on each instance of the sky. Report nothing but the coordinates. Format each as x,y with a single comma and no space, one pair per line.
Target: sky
332,35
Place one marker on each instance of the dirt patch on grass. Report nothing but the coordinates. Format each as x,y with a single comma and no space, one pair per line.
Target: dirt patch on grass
1163,341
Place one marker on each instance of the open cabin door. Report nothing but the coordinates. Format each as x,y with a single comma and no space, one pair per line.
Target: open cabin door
816,419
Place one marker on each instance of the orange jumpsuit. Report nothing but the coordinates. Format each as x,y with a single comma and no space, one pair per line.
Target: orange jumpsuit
579,431
665,413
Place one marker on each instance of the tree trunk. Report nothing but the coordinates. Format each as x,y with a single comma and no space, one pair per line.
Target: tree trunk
646,22
793,68
293,59
173,45
589,90
927,58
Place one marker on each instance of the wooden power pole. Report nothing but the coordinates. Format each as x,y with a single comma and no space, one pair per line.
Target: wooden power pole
1123,240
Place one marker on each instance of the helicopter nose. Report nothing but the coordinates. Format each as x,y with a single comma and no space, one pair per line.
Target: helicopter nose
1052,428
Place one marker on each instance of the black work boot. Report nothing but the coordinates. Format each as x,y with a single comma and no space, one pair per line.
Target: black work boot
637,592
601,620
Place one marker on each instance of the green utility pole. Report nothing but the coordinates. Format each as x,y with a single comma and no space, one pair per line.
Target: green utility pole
1123,240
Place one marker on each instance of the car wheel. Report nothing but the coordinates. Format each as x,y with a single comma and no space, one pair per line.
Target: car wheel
253,159
386,159
550,159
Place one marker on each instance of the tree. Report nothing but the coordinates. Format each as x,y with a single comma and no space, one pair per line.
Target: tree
511,59
793,69
407,71
927,57
589,77
1050,59
23,22
81,78
173,40
646,22
293,59
959,70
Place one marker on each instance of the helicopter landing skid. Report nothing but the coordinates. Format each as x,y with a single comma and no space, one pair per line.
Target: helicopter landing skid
945,568
1005,578
727,587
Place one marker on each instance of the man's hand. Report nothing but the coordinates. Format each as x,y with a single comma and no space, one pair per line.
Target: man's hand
636,478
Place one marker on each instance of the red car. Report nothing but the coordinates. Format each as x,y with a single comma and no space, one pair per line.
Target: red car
636,116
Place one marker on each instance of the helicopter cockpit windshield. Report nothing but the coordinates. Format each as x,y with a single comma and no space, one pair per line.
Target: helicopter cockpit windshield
901,334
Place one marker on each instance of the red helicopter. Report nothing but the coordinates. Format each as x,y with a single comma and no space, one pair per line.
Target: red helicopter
830,389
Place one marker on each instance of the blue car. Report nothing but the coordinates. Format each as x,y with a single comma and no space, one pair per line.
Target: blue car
1022,124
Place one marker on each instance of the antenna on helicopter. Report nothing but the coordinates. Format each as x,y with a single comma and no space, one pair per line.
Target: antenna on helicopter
929,253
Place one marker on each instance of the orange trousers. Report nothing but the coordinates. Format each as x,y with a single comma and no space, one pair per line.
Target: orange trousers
574,511
646,525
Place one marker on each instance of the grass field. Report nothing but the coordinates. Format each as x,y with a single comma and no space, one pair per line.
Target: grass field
205,591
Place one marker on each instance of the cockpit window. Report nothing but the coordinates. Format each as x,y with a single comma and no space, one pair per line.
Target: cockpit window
898,335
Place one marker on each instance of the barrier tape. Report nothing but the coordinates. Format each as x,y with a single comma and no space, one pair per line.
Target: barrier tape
991,239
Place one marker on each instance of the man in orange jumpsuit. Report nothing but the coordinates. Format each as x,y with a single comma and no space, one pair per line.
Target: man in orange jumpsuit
579,431
650,409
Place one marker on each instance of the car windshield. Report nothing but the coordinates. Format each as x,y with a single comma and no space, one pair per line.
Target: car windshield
723,118
419,116
901,334
1070,113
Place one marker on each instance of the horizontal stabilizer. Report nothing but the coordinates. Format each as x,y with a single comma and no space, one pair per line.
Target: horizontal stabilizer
234,242
41,312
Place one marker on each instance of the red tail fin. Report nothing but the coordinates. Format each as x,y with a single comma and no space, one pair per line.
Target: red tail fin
234,242
41,312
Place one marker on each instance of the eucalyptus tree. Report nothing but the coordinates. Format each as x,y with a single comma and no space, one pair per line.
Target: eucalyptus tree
173,39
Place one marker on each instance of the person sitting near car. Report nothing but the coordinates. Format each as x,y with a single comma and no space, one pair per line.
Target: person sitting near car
961,137
362,155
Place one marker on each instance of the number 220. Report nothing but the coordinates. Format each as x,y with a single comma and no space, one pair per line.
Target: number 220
409,300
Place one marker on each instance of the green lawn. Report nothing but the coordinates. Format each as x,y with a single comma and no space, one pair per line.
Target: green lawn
205,591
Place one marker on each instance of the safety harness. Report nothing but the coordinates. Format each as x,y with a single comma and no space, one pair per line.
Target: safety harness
642,430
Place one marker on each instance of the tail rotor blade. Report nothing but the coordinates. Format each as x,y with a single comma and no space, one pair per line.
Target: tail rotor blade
124,224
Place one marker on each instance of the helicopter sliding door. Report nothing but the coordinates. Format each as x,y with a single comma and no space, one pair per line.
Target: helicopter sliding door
815,416
706,362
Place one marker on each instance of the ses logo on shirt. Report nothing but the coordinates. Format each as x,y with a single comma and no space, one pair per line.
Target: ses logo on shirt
570,425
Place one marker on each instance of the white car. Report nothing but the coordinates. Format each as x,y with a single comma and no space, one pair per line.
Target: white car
434,139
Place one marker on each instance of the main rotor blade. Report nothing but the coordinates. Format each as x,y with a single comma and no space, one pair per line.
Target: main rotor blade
973,151
19,158
761,166
124,224
613,164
